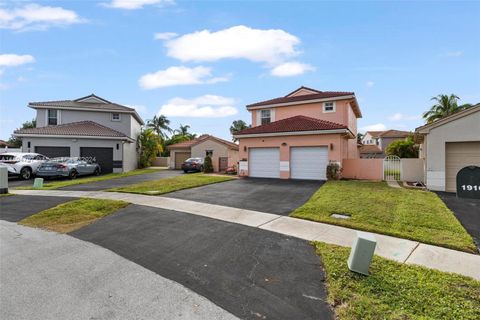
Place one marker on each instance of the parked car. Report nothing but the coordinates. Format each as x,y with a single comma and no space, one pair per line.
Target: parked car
68,167
193,164
22,164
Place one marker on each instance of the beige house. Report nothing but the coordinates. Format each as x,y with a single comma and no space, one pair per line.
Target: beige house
448,145
224,153
374,143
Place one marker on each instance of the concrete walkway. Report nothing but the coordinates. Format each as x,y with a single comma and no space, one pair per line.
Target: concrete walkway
46,275
401,250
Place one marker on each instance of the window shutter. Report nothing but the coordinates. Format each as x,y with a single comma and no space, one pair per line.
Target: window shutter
259,118
272,114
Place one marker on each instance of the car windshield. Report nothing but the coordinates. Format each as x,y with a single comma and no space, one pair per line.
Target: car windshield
193,160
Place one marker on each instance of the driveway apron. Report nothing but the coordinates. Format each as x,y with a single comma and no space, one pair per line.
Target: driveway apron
252,273
16,208
265,195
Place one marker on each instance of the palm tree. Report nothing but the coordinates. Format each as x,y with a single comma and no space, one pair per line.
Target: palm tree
445,105
160,124
183,132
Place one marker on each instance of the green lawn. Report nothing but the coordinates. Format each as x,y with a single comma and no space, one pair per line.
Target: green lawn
73,215
167,185
396,291
376,207
51,185
6,194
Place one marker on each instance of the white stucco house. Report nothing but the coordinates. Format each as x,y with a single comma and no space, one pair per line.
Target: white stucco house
86,127
448,145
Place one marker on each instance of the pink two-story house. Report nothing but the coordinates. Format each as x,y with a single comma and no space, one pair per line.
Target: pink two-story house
296,136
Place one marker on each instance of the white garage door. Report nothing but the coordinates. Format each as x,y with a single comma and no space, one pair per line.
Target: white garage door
264,162
309,163
459,155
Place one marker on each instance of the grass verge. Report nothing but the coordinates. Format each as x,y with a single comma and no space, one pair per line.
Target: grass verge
73,215
51,185
6,195
396,291
167,185
399,212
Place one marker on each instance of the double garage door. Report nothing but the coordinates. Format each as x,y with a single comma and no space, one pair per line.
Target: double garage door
457,156
308,163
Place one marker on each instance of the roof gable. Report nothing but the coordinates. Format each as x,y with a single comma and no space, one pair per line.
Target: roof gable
92,99
202,138
302,91
468,111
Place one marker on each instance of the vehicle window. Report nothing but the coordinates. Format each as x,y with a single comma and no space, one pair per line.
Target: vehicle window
6,157
28,157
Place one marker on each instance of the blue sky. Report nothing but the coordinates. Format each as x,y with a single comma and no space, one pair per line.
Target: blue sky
202,62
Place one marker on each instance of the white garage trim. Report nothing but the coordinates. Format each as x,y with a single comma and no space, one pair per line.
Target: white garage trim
264,162
308,163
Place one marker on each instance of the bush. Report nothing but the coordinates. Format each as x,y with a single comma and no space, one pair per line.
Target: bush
403,148
334,171
207,165
149,144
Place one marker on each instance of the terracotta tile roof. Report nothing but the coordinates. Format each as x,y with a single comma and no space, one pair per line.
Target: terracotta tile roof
76,129
191,143
4,143
395,134
369,148
293,124
287,99
374,134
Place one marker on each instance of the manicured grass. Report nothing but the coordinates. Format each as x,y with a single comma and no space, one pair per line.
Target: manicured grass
375,207
51,184
396,291
167,185
73,215
6,194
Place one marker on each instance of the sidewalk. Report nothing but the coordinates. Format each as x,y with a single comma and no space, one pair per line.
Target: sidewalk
401,250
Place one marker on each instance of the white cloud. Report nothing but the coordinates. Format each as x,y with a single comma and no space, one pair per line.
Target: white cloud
135,4
180,75
401,117
37,17
273,46
13,60
164,35
374,127
206,106
370,84
289,69
454,53
139,108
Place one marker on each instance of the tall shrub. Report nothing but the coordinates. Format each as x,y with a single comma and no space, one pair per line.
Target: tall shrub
207,165
149,145
403,148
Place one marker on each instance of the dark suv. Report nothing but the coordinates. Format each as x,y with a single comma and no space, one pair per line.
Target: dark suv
193,164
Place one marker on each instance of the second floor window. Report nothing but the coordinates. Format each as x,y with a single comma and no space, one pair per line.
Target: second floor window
329,107
52,117
115,116
265,116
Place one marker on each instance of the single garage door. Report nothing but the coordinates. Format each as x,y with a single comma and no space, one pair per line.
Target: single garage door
53,152
308,163
103,156
457,156
180,158
264,162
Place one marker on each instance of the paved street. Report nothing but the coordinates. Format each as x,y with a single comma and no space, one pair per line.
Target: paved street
16,208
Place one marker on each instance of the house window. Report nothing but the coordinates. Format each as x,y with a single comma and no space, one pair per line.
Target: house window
115,116
265,116
328,107
52,117
208,153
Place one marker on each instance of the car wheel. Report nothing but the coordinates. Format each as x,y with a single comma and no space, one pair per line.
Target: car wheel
26,173
73,174
96,172
185,171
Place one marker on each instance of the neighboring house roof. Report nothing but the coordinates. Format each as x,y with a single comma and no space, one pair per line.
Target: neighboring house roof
294,124
86,103
288,99
373,134
394,134
369,148
426,128
4,143
74,129
193,142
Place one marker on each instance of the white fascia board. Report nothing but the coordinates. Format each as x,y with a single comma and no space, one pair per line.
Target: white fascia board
26,135
284,104
292,133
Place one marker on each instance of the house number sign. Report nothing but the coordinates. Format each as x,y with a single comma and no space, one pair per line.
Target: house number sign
468,182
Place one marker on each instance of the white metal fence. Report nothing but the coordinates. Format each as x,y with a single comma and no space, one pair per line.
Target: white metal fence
391,168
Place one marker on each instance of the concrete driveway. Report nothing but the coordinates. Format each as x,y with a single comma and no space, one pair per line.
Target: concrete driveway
45,275
120,182
252,273
16,208
467,212
265,195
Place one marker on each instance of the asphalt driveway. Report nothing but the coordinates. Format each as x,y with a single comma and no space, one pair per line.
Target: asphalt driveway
16,208
467,212
121,182
265,195
252,273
